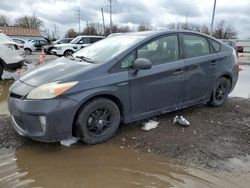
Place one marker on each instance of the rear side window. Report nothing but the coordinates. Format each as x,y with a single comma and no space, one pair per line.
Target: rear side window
84,40
195,46
163,50
216,45
19,41
92,40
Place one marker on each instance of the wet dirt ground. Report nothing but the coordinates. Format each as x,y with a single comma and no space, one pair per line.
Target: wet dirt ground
213,152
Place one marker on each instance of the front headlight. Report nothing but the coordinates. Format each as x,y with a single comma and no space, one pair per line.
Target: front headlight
50,90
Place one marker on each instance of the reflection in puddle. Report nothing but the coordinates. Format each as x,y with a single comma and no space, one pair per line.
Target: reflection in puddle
4,91
242,88
100,166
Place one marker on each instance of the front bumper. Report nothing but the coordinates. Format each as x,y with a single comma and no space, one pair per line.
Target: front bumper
14,66
43,120
56,52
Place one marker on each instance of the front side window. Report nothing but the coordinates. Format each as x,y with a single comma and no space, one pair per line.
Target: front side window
195,46
165,49
124,63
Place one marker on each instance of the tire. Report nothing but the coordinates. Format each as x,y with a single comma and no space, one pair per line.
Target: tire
220,92
27,51
98,120
68,53
49,51
1,71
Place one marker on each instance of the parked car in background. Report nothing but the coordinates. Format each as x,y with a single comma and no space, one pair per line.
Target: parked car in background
232,44
38,43
11,57
240,49
26,45
122,78
75,45
48,48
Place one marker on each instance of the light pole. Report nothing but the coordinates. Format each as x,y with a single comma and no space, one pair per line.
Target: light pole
212,23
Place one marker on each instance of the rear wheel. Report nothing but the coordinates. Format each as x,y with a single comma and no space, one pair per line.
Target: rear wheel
68,53
220,92
98,120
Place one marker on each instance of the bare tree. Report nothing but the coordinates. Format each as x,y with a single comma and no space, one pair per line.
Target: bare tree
204,29
145,27
183,26
93,29
224,31
71,33
29,22
4,21
117,29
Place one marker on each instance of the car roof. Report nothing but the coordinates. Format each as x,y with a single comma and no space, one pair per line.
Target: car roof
95,36
162,32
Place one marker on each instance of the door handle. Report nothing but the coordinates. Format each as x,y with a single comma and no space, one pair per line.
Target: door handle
213,63
178,71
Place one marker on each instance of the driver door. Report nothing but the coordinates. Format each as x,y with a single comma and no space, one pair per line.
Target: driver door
158,88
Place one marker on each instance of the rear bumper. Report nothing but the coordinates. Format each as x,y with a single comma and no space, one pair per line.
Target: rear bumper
43,120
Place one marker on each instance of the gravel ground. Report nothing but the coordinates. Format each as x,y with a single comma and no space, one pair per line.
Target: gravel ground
214,135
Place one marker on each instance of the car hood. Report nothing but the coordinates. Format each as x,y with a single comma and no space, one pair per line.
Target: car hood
62,69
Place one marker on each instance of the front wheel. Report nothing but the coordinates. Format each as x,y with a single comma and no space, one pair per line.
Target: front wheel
220,92
1,71
98,120
27,51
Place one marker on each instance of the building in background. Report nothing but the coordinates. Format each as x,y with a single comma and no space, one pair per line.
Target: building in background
23,33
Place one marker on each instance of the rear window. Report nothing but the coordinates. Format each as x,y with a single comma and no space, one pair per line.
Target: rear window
216,45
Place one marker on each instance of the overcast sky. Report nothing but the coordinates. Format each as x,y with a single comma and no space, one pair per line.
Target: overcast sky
158,13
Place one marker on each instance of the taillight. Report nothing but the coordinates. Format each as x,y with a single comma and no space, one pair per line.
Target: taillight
239,68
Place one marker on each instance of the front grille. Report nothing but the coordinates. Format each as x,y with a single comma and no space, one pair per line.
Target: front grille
16,96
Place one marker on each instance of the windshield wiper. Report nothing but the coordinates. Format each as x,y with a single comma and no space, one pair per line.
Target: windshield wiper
85,59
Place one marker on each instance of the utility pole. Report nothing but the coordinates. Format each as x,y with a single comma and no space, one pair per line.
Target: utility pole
103,23
55,31
78,11
186,21
110,13
212,23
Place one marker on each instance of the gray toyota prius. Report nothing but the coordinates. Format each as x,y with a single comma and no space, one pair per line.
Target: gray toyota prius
121,79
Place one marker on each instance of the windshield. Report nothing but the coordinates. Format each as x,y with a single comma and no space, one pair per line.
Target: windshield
106,49
75,40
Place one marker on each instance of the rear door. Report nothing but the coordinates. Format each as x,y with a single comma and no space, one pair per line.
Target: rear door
199,68
157,88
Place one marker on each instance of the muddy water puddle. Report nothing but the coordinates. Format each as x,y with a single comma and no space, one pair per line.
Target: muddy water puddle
103,165
4,92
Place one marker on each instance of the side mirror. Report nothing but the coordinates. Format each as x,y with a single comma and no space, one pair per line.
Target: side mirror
142,64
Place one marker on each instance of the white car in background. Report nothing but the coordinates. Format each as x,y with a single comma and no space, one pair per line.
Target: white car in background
75,45
26,45
11,56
